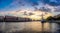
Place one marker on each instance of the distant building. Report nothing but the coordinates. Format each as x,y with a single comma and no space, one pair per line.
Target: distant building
13,18
57,16
10,18
1,18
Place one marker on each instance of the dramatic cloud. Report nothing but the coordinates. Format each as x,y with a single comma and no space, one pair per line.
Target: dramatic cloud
52,2
45,9
42,5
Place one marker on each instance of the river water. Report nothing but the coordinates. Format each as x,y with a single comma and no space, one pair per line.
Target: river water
29,27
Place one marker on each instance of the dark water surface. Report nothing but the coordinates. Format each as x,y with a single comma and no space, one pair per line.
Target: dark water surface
29,27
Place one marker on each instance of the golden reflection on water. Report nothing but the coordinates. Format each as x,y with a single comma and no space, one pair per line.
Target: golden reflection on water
37,26
28,26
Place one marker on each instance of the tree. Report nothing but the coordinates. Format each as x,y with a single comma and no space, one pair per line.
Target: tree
49,18
58,18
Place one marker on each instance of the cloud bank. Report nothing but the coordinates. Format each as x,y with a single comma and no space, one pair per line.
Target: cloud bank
43,5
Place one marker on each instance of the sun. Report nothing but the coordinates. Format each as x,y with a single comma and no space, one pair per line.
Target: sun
36,15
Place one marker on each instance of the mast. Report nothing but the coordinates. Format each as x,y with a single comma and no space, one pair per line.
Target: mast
42,15
42,21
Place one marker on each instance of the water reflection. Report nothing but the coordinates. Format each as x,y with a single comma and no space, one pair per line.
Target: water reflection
35,26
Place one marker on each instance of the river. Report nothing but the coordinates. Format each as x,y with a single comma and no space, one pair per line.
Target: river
29,27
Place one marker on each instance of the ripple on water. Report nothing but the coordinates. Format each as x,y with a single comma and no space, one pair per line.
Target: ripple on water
27,26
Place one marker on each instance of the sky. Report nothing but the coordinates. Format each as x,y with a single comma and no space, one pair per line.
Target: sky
11,7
